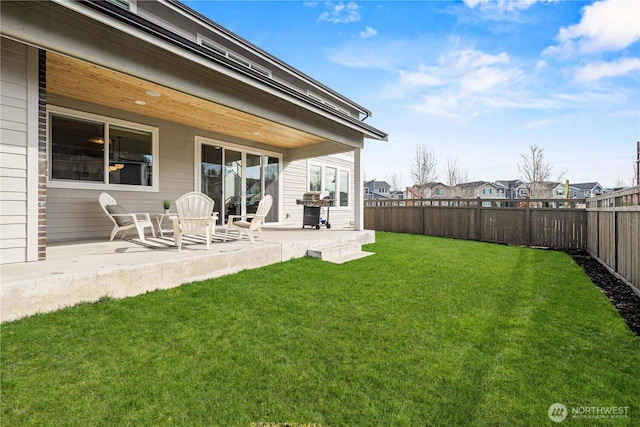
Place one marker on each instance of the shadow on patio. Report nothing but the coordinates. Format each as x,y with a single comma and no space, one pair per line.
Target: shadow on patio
85,271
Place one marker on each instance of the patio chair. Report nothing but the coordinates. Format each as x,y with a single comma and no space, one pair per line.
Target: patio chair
195,217
244,224
123,220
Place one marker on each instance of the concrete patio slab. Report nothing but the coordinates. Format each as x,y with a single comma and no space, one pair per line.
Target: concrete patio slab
85,271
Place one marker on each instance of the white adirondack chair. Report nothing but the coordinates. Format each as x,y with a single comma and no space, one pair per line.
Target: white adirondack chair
195,217
254,224
123,220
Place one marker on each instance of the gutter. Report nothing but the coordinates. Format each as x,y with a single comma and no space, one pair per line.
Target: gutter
161,33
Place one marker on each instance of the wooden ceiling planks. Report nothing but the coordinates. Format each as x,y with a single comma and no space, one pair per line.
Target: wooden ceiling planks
91,83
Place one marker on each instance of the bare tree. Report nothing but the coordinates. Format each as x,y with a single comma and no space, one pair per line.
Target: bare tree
423,169
395,181
454,177
535,170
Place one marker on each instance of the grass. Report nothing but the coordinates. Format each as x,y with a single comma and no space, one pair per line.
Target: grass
427,332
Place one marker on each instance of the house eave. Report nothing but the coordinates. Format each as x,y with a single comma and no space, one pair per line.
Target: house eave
149,32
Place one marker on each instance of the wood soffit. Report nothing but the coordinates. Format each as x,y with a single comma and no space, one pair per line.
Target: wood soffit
87,82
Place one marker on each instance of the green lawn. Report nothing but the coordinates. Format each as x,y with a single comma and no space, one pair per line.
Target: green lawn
428,331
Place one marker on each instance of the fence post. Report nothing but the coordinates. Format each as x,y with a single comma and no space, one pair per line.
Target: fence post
527,219
478,214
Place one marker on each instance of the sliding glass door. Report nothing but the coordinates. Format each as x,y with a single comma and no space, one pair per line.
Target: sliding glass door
238,180
233,204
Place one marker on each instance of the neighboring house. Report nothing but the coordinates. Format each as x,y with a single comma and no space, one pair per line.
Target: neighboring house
509,188
374,190
398,194
412,193
587,189
559,191
538,190
430,190
150,100
479,189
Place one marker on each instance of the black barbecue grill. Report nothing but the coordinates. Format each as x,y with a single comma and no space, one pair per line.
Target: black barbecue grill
314,202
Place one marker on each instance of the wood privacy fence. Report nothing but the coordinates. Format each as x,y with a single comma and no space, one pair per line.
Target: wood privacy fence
539,222
613,232
608,226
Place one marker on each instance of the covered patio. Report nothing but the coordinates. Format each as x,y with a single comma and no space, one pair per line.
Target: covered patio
85,271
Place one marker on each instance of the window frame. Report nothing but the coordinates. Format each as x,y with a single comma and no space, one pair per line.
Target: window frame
339,170
129,5
106,121
238,59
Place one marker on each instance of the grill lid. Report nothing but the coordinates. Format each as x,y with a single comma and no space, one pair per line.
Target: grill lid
314,198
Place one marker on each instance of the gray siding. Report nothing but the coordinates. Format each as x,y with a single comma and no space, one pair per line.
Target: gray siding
14,151
295,185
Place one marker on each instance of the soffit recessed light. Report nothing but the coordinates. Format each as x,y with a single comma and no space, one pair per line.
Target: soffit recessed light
140,102
153,93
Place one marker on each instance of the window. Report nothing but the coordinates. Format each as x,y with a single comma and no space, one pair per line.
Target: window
88,151
333,180
315,178
487,191
440,191
125,4
232,56
343,188
327,103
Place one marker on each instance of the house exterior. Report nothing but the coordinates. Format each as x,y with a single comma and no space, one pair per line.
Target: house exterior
430,190
479,189
538,190
587,189
509,188
374,190
149,100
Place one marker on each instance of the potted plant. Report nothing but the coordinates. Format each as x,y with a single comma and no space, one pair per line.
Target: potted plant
166,204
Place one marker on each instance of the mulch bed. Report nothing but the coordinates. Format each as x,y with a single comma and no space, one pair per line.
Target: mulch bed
625,300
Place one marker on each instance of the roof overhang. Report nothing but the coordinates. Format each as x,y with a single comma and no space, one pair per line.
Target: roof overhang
95,57
86,82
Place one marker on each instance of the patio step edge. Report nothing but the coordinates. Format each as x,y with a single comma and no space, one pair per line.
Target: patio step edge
339,253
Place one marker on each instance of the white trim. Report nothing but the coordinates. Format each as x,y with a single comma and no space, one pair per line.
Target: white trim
32,154
92,185
358,196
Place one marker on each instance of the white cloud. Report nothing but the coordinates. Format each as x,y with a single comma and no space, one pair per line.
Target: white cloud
485,79
470,58
503,5
419,78
458,84
342,13
541,65
598,70
368,32
608,25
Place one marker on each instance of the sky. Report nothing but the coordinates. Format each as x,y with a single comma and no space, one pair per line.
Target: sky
476,82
